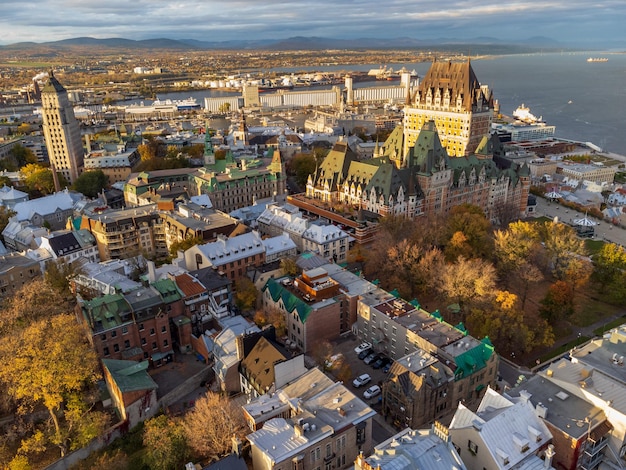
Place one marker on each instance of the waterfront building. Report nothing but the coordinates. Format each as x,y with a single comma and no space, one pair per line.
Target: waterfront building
451,96
596,173
60,128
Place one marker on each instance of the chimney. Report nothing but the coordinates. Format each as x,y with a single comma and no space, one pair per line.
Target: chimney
237,446
151,272
547,463
524,396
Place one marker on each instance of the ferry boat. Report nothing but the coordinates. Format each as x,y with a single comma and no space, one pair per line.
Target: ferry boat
597,59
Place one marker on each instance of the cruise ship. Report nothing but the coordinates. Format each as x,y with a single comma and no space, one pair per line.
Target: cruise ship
597,59
523,114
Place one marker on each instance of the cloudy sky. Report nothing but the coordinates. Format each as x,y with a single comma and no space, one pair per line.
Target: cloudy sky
579,21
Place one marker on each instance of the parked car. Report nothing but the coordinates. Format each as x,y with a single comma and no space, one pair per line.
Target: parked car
380,362
371,392
371,358
362,347
361,380
387,367
363,354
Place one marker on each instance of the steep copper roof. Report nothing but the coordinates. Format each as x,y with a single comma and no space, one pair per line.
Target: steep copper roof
456,78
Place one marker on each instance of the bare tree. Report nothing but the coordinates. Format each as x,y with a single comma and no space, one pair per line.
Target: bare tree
211,425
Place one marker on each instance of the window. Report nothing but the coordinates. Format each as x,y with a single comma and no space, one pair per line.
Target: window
113,334
329,450
473,448
106,351
165,343
103,336
127,344
154,346
116,348
143,341
163,329
360,433
151,331
124,330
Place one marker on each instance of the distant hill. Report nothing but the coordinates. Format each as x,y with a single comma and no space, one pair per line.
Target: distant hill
293,43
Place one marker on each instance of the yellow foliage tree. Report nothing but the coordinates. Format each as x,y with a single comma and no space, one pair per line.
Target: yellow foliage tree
46,362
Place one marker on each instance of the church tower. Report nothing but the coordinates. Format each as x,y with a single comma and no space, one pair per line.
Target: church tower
61,131
209,153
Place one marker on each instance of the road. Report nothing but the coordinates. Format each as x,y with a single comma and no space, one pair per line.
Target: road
604,230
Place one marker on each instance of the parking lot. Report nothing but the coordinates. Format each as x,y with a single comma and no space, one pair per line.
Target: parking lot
345,346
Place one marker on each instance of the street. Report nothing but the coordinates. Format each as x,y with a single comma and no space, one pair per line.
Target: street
604,230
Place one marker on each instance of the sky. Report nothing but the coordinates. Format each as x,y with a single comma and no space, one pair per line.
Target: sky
567,21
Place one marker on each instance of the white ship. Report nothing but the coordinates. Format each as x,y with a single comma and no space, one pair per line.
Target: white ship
523,114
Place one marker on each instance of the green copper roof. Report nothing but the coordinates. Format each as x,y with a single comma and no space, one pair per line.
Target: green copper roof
291,302
168,290
106,311
130,376
473,360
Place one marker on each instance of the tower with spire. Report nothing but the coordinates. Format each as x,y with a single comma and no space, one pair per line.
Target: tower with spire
209,152
61,130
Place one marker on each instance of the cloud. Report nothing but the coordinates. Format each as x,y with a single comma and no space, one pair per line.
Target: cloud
45,20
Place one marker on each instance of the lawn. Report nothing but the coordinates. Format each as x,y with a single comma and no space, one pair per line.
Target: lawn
593,246
591,310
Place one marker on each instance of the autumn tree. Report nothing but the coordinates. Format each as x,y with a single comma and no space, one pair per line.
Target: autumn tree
609,265
165,443
5,215
32,302
562,247
59,274
508,327
289,267
515,245
271,316
185,244
470,221
212,424
468,281
246,293
45,363
558,302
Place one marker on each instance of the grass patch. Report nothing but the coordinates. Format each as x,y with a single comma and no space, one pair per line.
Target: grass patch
592,310
593,246
563,349
609,326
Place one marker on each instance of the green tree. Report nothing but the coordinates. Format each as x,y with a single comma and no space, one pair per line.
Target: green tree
34,378
91,183
22,155
289,267
224,108
59,275
165,443
301,166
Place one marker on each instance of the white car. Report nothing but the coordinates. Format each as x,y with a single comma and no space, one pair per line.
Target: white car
361,380
363,347
371,392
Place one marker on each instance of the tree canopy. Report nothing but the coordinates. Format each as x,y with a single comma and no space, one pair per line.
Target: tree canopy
91,183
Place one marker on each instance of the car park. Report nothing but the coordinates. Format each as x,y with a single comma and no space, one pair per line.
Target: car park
371,392
362,347
380,362
371,358
363,354
361,380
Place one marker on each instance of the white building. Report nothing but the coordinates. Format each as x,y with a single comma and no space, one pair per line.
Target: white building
501,435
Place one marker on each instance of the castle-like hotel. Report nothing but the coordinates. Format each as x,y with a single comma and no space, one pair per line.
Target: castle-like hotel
440,157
